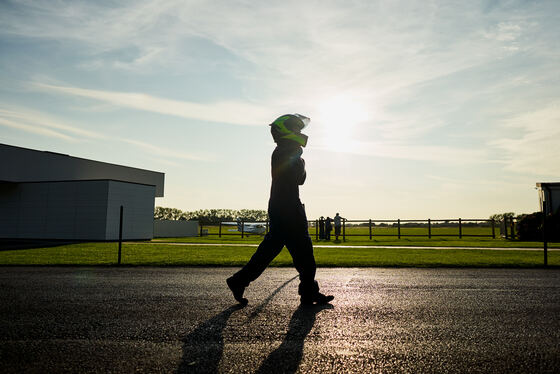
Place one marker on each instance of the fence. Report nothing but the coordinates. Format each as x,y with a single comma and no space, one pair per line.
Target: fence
371,228
507,227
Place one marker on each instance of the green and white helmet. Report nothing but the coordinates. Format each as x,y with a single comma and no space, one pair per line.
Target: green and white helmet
288,128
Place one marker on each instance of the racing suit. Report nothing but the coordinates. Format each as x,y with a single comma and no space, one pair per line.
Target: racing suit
288,223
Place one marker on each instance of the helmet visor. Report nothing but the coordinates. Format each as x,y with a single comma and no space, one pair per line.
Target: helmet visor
303,119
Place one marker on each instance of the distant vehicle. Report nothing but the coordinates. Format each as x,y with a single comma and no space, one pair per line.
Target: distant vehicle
247,227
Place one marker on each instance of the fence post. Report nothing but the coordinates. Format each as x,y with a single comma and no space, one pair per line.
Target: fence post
120,234
460,229
493,229
544,238
266,225
242,228
505,227
317,230
512,228
399,227
200,230
220,230
429,228
370,229
344,230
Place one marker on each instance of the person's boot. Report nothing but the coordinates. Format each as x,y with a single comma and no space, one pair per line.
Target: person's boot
323,299
237,291
311,295
318,299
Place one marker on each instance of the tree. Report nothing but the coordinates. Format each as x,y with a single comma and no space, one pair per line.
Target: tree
500,217
210,216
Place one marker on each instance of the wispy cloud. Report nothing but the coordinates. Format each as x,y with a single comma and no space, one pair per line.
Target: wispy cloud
410,151
41,121
238,113
164,152
34,129
438,78
535,150
307,43
43,124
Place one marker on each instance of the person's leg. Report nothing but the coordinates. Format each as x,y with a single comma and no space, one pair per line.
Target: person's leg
269,248
301,249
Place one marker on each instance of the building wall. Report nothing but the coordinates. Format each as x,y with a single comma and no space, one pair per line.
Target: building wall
175,229
53,210
554,199
549,192
138,210
76,210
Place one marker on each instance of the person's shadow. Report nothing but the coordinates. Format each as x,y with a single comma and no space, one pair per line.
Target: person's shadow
287,357
203,348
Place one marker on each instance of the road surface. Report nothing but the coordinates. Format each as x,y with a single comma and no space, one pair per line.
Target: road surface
179,319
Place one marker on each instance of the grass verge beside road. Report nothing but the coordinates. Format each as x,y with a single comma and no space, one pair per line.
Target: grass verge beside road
390,241
160,254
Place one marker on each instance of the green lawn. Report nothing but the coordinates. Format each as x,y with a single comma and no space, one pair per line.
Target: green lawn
386,236
383,231
165,254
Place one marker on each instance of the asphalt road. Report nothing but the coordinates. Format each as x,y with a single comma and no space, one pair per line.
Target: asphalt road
111,320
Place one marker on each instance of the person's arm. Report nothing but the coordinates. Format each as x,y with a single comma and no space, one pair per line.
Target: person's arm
302,173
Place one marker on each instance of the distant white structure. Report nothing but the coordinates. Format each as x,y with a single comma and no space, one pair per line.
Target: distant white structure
46,195
549,197
175,229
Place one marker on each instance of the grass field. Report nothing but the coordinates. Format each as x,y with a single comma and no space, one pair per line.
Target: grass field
177,255
385,231
386,236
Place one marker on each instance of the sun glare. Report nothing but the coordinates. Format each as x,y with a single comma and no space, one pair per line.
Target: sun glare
337,120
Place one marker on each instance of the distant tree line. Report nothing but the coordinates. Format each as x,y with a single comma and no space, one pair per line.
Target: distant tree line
209,216
501,216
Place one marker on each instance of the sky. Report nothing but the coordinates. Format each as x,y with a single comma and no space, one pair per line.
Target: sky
419,109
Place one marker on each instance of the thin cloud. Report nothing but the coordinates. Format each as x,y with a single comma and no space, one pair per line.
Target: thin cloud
41,120
164,152
238,113
40,123
535,150
408,151
36,130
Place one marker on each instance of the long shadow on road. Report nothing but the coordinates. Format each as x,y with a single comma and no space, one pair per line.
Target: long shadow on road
287,357
203,348
259,308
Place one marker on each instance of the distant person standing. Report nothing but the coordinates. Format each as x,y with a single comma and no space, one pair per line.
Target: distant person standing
321,228
337,225
328,228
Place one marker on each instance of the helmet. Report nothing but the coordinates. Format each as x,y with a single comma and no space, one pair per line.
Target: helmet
288,128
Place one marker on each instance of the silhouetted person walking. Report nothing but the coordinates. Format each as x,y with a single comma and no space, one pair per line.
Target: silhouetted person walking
288,222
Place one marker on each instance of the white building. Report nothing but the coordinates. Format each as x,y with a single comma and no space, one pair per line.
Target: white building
46,195
549,197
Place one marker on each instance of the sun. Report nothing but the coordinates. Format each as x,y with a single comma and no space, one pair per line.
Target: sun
337,120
